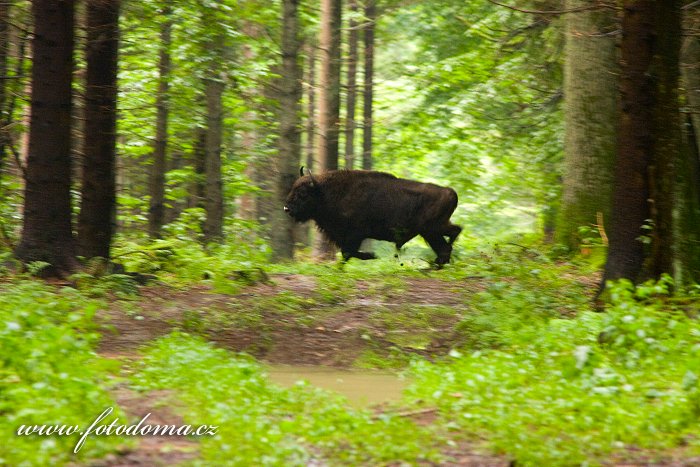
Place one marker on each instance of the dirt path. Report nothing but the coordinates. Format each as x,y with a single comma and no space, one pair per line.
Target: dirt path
151,451
288,321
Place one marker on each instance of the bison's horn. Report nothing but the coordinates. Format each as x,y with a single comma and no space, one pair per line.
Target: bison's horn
313,180
301,171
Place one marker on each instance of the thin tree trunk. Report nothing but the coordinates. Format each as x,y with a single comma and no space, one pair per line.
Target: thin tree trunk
176,162
328,103
200,156
157,177
350,103
591,89
47,234
214,204
368,94
289,140
329,85
311,109
5,9
98,202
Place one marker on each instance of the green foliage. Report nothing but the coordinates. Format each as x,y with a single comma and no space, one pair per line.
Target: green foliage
49,373
575,391
181,259
262,424
471,98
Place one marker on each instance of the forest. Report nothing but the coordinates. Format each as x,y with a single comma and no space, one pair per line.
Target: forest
161,302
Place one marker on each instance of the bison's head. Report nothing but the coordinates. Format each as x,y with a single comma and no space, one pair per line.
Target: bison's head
302,202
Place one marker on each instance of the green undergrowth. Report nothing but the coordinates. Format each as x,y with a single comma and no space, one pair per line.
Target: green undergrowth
570,391
49,373
262,424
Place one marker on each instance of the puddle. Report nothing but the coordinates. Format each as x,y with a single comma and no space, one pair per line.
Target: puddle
361,387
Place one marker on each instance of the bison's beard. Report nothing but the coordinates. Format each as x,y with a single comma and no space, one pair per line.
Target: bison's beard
299,217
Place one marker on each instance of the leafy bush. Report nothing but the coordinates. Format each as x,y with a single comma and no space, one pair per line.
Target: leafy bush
49,373
262,424
570,391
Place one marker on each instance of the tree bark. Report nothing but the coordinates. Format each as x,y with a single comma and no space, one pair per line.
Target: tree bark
328,103
689,167
214,90
98,202
351,88
289,139
47,234
5,9
591,75
329,85
368,89
648,144
311,108
157,177
667,139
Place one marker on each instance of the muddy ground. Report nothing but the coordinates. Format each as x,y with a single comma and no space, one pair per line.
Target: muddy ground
283,320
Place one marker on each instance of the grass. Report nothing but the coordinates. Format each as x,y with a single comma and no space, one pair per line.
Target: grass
49,373
262,424
578,391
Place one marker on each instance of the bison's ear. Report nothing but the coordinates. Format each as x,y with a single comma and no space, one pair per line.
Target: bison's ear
301,171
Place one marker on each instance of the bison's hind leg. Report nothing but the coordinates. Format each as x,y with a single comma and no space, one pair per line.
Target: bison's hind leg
451,232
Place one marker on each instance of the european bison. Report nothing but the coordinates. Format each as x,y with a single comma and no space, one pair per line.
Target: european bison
351,205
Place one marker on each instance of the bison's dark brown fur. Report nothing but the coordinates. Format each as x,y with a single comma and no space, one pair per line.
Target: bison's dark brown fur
351,205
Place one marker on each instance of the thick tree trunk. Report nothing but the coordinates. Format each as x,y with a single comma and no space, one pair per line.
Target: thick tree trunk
328,103
368,89
47,234
214,201
350,102
95,223
157,177
667,139
591,75
648,144
289,139
689,167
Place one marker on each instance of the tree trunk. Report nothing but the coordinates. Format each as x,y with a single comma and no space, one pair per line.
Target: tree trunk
214,90
590,86
47,234
311,108
368,94
200,156
667,139
157,177
689,167
648,143
328,103
351,89
289,140
5,8
98,202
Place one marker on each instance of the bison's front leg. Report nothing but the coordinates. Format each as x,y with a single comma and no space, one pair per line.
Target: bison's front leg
440,247
351,250
358,254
